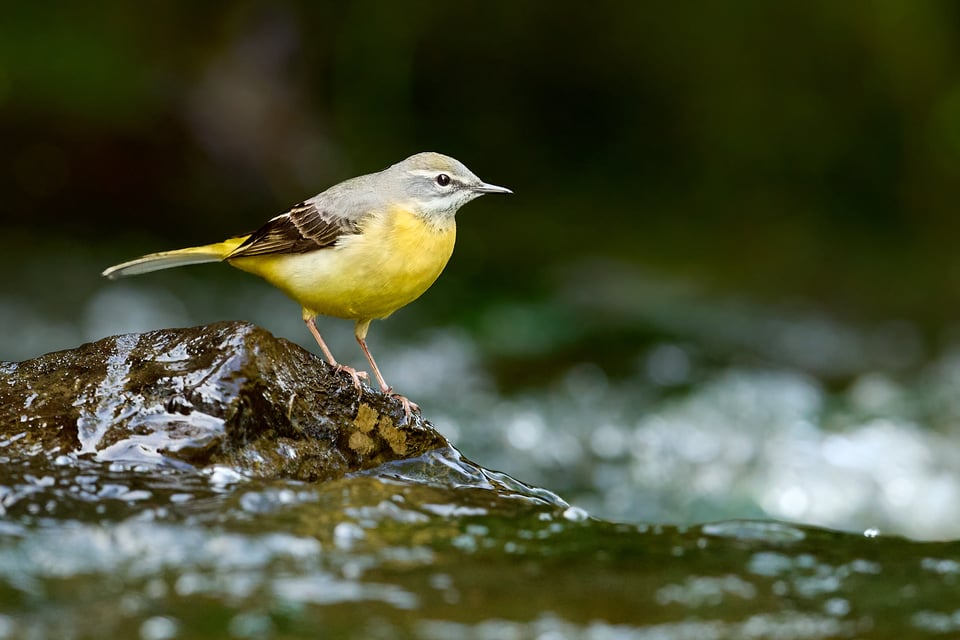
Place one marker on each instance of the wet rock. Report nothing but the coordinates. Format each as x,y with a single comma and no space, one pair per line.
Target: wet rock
227,393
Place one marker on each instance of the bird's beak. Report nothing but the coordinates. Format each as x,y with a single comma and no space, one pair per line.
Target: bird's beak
483,187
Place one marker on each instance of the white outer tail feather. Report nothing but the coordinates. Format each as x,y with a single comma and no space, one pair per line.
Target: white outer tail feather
159,261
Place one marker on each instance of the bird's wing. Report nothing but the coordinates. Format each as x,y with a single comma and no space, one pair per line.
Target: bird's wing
306,227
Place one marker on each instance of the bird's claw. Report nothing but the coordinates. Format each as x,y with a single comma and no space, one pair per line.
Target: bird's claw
355,375
409,407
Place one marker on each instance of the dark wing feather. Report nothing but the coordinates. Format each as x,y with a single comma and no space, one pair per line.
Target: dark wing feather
304,228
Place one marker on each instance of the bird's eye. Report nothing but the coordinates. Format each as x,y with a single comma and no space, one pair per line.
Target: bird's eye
443,179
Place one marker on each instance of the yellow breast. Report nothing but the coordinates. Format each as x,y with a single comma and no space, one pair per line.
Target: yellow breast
390,263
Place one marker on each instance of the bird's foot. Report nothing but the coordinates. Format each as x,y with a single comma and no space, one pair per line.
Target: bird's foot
409,407
355,375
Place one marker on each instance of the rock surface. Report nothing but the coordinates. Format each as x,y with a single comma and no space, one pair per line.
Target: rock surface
226,393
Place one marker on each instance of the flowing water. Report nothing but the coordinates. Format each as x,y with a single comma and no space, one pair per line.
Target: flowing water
661,496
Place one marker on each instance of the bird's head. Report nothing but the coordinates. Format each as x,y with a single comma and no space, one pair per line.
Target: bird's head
438,185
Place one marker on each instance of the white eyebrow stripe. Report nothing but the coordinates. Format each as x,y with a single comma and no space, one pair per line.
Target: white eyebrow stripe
430,173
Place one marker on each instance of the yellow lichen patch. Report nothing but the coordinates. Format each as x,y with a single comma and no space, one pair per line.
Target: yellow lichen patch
394,437
361,443
366,418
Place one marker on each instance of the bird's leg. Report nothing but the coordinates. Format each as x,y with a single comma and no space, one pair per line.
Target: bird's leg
353,373
361,333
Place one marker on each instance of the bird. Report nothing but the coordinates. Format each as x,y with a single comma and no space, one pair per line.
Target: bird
359,251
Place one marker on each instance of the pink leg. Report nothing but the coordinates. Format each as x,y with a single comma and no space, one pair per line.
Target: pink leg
361,333
353,373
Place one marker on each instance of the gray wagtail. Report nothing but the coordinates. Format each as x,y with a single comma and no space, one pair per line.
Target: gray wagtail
360,250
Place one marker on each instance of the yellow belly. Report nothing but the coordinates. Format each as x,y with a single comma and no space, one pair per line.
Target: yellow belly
390,263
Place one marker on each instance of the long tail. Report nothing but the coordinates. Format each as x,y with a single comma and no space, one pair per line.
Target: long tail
170,259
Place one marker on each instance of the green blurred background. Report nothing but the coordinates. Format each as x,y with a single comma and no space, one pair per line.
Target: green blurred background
726,284
788,150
